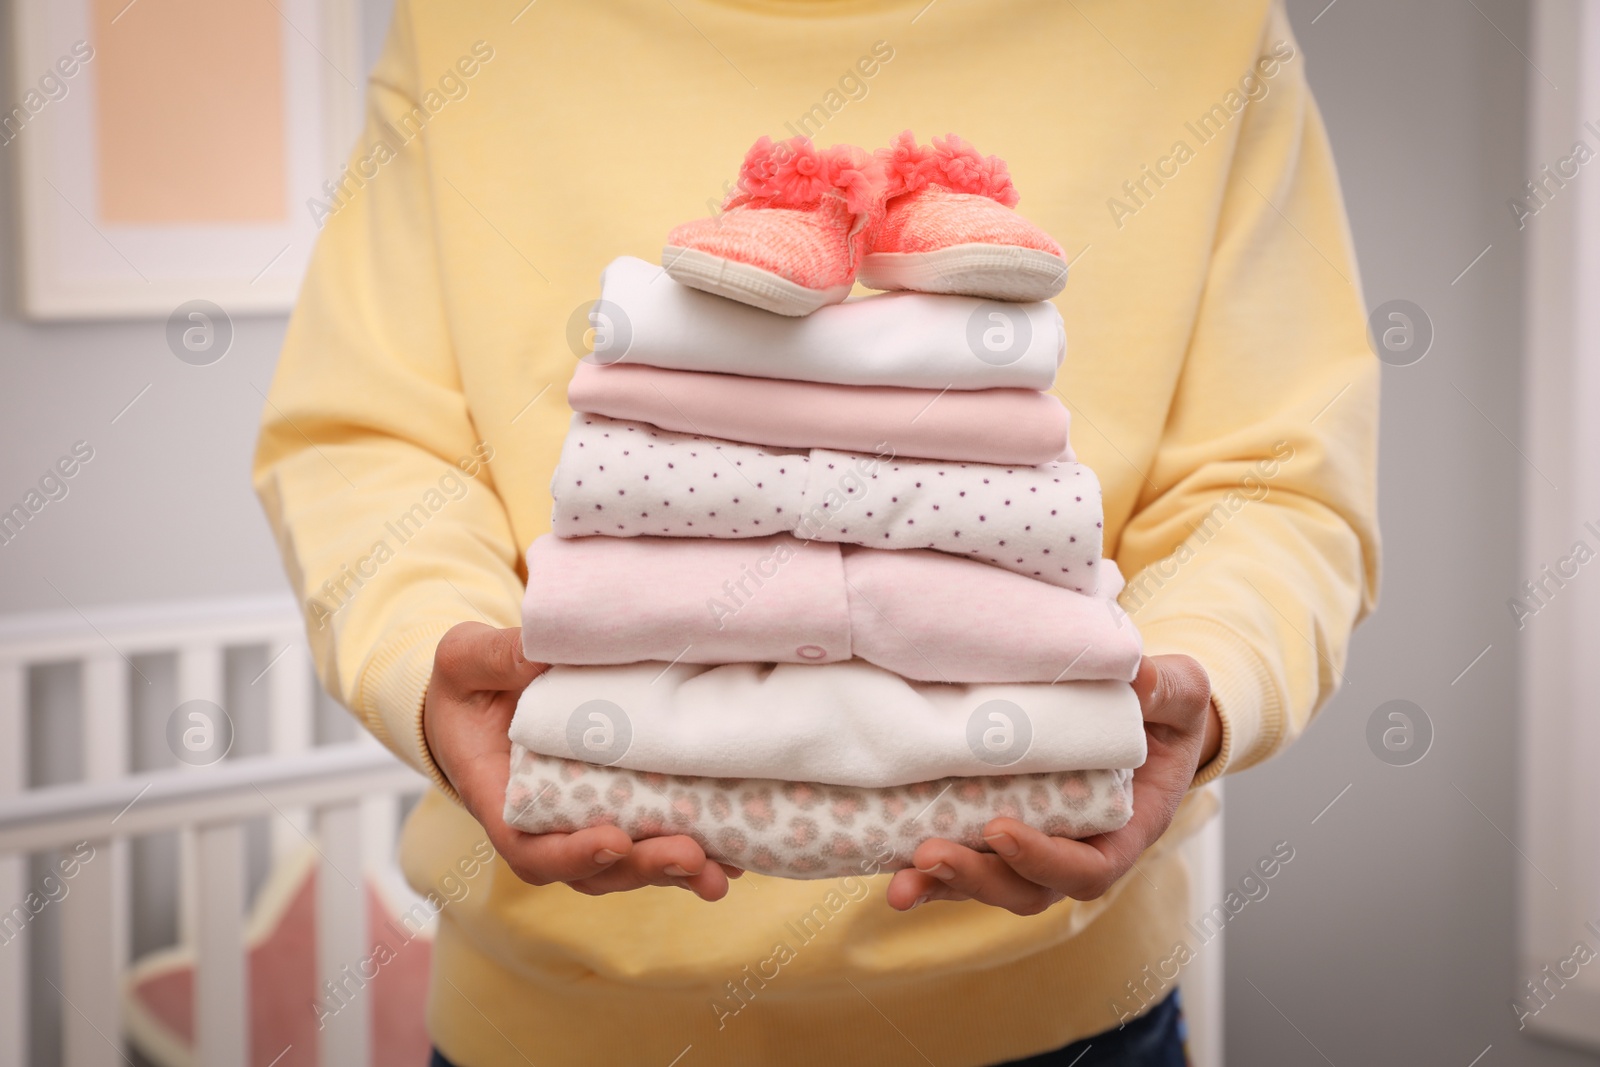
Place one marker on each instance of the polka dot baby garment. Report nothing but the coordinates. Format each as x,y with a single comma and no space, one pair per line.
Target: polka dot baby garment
629,479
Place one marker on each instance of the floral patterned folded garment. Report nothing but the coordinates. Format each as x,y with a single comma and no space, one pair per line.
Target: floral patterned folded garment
805,830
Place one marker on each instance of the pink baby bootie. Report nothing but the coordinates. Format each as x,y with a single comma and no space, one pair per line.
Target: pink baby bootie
948,227
789,239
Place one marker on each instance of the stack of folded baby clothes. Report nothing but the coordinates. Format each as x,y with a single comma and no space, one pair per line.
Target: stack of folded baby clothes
827,582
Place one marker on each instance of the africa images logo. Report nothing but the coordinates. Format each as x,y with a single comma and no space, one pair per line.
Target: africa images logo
599,732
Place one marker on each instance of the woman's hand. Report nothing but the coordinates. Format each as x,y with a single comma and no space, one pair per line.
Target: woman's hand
479,673
1028,871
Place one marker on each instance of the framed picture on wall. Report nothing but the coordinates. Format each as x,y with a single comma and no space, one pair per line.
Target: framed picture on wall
174,150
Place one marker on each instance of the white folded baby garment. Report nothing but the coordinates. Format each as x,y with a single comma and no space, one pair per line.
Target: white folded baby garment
630,479
845,723
914,340
804,829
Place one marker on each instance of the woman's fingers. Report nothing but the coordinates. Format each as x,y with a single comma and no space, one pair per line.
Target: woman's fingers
544,858
473,657
1173,690
661,861
947,871
1077,869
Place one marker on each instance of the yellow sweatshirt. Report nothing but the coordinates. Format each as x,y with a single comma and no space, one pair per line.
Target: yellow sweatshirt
1218,374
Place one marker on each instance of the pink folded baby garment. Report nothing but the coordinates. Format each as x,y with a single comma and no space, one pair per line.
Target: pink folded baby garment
924,615
803,829
982,426
630,479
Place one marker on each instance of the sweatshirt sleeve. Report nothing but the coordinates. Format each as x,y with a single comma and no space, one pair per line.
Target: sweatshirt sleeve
378,489
1258,553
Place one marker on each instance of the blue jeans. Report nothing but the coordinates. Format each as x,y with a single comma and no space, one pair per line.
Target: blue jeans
1155,1039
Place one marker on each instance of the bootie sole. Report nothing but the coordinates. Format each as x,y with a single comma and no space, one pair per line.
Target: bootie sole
995,272
745,283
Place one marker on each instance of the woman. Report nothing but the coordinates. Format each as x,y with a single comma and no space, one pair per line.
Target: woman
1220,382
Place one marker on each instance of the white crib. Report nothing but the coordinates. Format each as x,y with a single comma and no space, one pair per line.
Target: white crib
345,797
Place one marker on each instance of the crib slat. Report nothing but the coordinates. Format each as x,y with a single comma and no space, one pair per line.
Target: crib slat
13,870
107,718
289,703
90,965
221,1022
94,931
200,672
199,678
342,942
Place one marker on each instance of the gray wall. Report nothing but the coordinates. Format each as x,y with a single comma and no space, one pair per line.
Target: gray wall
1389,938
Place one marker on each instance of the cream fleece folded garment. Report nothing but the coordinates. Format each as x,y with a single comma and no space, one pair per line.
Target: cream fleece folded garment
981,426
804,829
923,615
914,340
845,723
630,479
